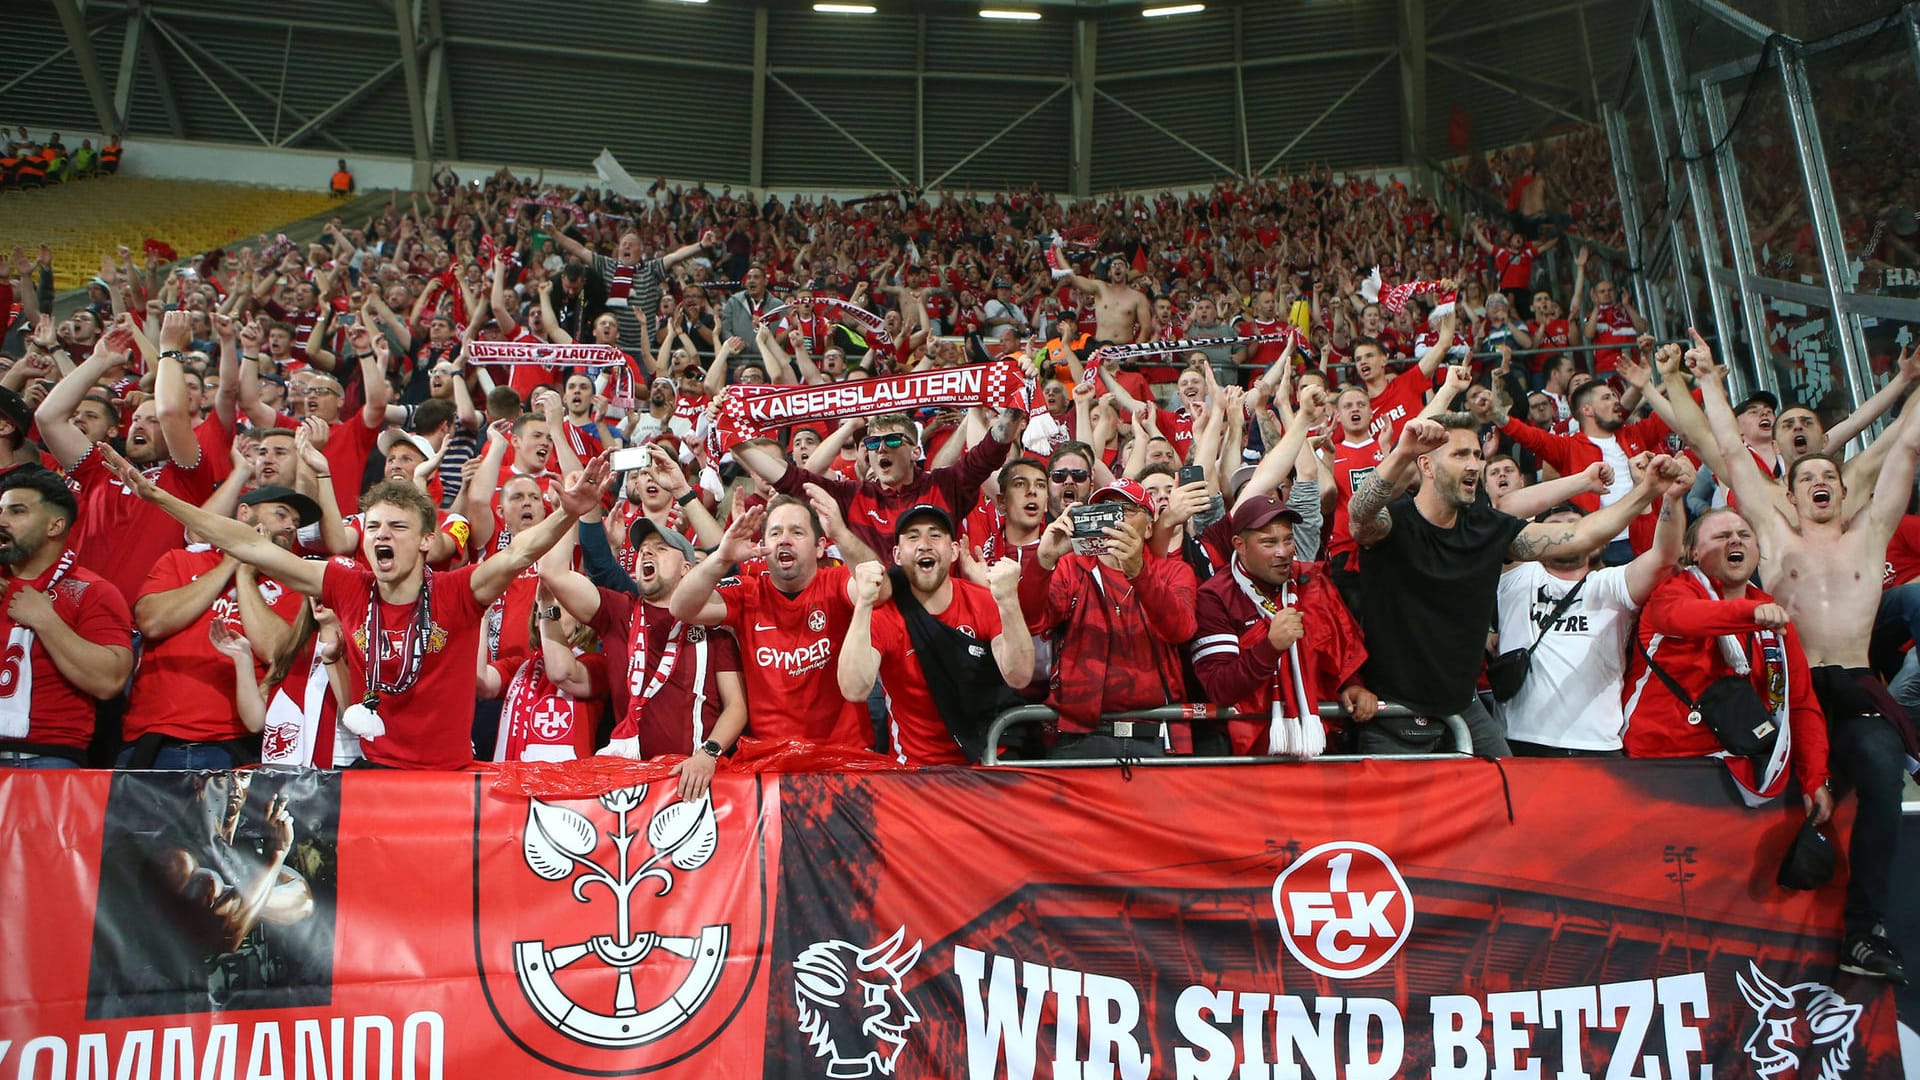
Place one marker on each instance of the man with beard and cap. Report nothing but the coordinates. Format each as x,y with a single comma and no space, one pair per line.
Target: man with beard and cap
1570,703
411,635
120,537
1121,614
1604,436
897,479
788,618
1274,638
183,713
1430,567
1823,562
68,626
925,644
676,687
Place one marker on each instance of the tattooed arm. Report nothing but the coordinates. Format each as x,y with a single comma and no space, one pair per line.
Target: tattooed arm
1539,541
1367,510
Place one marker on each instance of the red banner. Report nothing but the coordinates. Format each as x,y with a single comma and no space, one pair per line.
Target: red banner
752,412
1359,920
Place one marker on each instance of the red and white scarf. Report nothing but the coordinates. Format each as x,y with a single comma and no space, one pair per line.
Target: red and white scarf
16,677
641,689
1296,730
874,325
538,721
543,354
752,412
1395,298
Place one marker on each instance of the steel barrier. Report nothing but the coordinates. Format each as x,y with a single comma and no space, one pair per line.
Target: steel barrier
1033,714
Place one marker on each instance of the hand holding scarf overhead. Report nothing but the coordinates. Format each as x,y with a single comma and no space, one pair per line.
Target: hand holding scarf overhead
1394,298
543,354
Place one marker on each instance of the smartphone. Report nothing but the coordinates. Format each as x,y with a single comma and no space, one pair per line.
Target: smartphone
1192,474
629,458
1090,524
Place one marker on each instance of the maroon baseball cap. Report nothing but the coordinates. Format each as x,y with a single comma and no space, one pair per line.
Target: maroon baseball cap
1259,511
1130,490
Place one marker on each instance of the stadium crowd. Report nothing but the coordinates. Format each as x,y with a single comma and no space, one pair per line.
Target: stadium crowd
264,507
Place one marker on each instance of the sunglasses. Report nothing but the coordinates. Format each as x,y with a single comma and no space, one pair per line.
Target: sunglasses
891,442
1061,476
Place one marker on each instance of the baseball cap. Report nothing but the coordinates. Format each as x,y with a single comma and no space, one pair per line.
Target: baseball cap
644,527
1757,399
394,435
920,511
1067,315
14,408
1130,490
1262,510
306,509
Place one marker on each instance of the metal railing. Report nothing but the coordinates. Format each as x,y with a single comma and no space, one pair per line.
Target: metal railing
1037,714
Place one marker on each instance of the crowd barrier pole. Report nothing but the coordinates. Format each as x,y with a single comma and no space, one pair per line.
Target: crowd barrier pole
1329,710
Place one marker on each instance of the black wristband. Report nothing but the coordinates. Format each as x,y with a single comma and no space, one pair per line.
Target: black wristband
687,496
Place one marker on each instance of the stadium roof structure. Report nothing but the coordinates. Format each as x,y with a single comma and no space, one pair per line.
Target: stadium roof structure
1090,96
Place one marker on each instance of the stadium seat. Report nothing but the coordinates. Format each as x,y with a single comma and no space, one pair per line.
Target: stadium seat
85,221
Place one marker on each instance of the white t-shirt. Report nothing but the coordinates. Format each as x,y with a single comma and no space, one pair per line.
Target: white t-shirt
1571,698
1616,459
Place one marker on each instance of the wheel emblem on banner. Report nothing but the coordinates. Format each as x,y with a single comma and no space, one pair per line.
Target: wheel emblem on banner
558,845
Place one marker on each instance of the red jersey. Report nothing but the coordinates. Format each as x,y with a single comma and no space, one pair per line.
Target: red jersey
429,723
918,734
1399,402
122,535
585,440
1556,334
1351,467
185,685
790,648
59,713
1903,553
1266,353
678,714
1611,326
1177,426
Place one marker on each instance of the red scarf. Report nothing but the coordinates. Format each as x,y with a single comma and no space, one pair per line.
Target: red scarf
750,412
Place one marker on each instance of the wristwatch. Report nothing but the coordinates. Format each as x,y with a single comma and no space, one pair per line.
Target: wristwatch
551,614
710,748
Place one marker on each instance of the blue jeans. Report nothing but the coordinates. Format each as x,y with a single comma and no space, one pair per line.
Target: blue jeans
10,759
193,757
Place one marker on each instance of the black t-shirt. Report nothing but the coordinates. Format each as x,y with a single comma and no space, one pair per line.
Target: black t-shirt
1428,599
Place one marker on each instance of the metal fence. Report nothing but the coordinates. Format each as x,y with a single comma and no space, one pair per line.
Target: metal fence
1766,192
1178,714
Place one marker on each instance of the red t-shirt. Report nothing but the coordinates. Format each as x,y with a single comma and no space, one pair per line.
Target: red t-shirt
790,651
1351,466
350,442
59,713
1177,426
1399,402
428,724
185,685
918,734
1515,267
122,535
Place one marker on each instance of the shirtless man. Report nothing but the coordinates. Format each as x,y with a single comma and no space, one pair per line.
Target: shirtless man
1121,312
1821,563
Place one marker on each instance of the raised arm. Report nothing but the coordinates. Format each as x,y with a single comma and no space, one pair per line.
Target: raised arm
170,391
230,536
1876,406
1367,510
1655,564
1431,359
54,417
1542,541
579,492
859,663
1536,499
695,600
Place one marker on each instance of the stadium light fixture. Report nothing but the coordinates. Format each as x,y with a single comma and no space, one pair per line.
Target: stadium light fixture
1176,9
1011,16
844,9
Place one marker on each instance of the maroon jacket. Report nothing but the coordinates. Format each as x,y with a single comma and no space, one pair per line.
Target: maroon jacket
1121,641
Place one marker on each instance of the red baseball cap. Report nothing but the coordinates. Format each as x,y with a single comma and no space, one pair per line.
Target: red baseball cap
1130,490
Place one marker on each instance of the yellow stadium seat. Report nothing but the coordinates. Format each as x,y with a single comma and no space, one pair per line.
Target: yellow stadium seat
83,222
